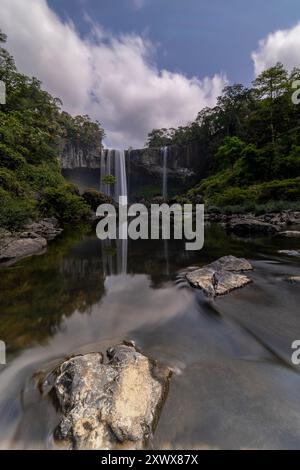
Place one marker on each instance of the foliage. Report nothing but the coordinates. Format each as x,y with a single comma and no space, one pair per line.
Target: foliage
109,179
251,139
32,130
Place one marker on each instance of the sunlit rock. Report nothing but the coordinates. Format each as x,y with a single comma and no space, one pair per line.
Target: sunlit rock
221,276
109,405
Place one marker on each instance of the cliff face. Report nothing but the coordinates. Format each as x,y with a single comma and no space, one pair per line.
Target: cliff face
74,155
145,168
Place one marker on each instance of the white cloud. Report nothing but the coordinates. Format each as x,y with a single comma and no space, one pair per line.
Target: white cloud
280,46
111,78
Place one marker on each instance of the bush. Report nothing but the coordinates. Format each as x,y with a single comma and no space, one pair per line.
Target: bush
10,159
9,182
14,212
93,198
63,204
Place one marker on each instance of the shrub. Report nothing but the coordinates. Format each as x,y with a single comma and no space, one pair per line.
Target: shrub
14,212
63,204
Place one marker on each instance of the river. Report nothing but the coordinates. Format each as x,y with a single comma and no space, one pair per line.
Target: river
234,385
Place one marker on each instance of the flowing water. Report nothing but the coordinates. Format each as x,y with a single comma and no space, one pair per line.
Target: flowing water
165,151
233,385
113,164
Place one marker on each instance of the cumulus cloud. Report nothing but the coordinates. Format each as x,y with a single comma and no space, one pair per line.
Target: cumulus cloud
114,79
280,46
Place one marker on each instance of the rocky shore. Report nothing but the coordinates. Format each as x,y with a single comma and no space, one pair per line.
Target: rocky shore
266,224
32,240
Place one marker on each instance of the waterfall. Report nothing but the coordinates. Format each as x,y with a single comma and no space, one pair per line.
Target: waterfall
113,163
120,174
165,176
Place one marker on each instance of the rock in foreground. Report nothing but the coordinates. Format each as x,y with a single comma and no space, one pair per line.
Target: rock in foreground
221,276
113,405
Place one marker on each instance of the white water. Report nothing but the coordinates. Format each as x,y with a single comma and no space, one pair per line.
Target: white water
113,163
165,176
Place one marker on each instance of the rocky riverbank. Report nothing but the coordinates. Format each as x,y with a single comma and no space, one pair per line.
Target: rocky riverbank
267,224
31,240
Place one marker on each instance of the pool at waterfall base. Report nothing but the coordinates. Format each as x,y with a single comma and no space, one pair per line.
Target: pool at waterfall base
233,384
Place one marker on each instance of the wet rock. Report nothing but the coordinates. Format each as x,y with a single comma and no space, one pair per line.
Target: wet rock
113,405
251,226
290,252
221,276
294,279
290,234
16,248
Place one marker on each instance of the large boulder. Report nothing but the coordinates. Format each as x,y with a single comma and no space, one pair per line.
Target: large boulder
112,405
17,248
221,276
251,226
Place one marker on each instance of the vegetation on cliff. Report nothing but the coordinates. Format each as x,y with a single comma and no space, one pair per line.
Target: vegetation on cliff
251,139
32,128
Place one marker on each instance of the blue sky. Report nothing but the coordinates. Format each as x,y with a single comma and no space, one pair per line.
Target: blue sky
136,65
195,37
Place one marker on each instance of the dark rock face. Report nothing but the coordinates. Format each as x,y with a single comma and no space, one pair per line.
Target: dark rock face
251,226
79,156
113,405
221,276
144,167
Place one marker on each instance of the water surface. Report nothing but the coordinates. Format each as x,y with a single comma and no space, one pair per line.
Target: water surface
233,385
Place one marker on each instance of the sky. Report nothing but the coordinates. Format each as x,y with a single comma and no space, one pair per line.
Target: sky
136,65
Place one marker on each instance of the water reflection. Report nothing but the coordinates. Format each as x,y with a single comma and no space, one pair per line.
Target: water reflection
233,386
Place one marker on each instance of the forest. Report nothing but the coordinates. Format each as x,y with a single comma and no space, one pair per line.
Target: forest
251,139
32,129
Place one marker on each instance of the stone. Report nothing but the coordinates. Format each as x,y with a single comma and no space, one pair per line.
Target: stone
290,252
294,279
251,226
112,405
221,276
290,234
46,228
16,248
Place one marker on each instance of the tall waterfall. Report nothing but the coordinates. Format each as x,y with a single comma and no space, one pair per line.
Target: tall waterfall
165,151
113,163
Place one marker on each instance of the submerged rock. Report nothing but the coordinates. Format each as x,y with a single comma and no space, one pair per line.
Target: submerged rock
251,226
113,405
221,276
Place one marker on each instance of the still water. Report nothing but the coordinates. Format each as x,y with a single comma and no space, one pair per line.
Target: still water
234,385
